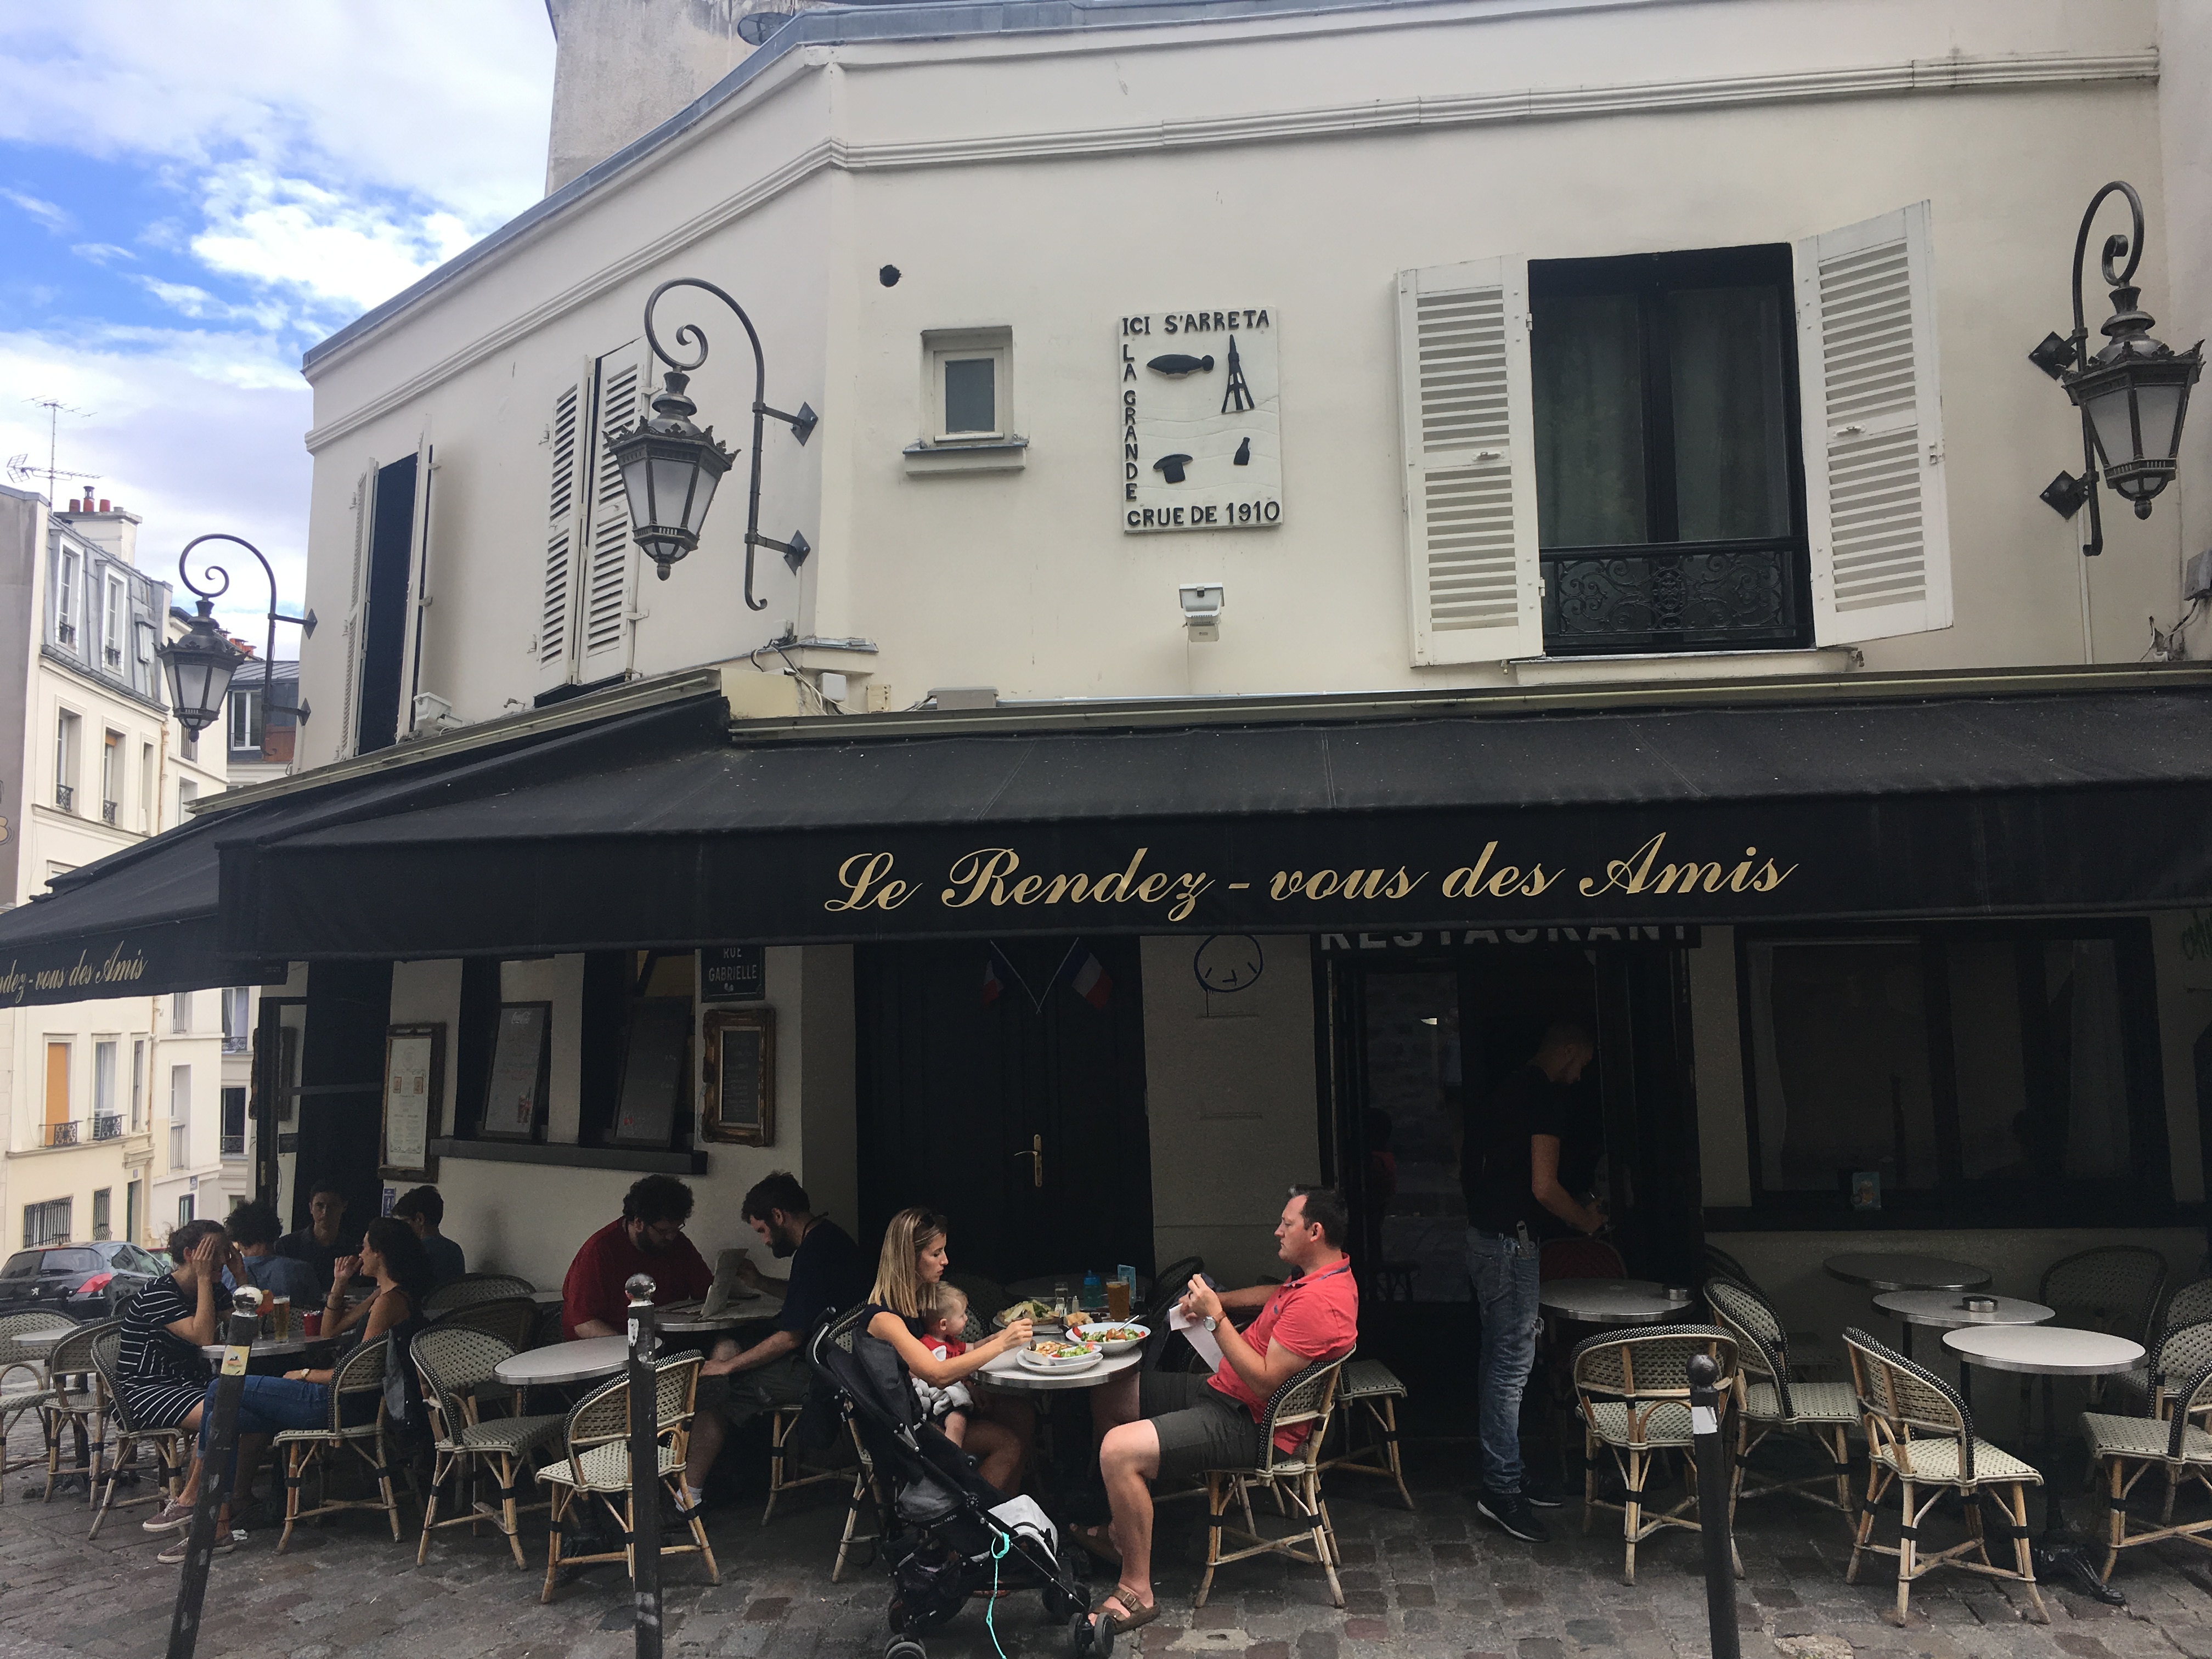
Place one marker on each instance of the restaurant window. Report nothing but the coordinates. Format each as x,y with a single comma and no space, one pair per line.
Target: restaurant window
1950,1075
103,1210
46,1224
1669,504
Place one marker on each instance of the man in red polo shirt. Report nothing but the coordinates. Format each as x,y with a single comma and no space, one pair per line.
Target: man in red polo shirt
649,1240
1164,1425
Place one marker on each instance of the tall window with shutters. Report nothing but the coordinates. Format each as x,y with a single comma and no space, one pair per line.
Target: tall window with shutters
1735,449
586,615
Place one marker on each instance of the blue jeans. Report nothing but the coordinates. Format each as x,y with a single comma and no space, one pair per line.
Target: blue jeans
268,1406
1504,1273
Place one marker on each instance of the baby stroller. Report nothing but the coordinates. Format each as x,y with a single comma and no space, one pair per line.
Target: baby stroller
946,1533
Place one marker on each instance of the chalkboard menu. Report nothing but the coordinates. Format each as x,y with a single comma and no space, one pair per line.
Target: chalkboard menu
653,1072
733,973
521,1058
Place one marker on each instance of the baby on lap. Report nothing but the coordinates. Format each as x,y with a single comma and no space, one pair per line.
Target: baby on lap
943,1331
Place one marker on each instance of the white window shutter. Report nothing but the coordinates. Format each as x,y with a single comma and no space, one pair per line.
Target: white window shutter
1466,421
610,557
553,640
1874,430
364,526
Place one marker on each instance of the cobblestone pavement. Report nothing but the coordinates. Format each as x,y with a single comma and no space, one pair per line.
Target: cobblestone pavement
1439,1583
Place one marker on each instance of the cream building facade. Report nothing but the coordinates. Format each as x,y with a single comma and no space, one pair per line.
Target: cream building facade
113,1106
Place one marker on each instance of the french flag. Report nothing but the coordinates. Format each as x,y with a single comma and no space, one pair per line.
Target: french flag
1087,976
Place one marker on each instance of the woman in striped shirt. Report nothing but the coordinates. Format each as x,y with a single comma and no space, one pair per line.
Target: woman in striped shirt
159,1369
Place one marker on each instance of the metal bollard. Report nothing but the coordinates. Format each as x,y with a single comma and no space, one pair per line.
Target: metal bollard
215,1473
644,1467
1713,1520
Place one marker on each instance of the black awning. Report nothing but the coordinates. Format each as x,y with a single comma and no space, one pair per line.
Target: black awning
1960,806
147,920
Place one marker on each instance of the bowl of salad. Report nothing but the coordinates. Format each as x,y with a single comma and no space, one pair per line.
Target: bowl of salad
1055,1354
1116,1336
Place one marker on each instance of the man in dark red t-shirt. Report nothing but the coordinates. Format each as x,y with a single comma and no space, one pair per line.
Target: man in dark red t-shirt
1156,1424
649,1240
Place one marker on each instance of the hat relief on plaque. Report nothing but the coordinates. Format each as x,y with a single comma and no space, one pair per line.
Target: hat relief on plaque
1201,421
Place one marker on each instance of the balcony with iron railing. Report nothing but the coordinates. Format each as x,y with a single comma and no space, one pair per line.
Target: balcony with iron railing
234,1145
61,1134
108,810
65,632
65,797
106,1126
237,1042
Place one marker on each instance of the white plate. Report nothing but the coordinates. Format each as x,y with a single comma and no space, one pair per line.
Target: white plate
1113,1348
1037,1362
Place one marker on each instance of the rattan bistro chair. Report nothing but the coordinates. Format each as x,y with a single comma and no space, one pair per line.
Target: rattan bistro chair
2149,1389
2114,1289
360,1375
79,1410
1770,1400
1369,1392
475,1287
24,1390
2126,1448
1920,1437
169,1444
1632,1390
455,1362
1294,1477
597,1440
511,1319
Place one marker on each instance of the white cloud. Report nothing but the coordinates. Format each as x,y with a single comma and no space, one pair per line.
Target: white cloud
340,256
101,253
53,218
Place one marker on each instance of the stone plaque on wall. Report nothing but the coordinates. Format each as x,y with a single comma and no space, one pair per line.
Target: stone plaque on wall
1201,421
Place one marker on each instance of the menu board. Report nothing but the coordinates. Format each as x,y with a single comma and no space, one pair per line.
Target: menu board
414,1082
521,1057
738,1075
653,1072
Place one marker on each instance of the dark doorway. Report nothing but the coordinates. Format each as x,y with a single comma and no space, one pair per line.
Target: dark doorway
384,608
977,1063
340,1082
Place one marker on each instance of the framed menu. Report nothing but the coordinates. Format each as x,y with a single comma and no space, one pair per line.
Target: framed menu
522,1071
414,1084
654,1069
738,1071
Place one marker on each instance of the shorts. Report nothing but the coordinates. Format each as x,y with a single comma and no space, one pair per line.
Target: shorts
1200,1427
783,1384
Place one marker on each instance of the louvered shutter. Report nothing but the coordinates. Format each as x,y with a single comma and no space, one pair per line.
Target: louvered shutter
1873,432
611,556
1466,419
552,643
364,526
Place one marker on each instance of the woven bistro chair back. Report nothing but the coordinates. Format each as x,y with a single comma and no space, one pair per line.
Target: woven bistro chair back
1646,1373
1904,1401
1762,1345
2180,1355
475,1287
602,1417
2113,1288
455,1360
2189,1305
13,1356
513,1319
72,1355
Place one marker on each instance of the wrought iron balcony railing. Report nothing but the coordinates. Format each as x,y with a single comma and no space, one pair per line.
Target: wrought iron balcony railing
65,797
62,1134
106,1127
1687,596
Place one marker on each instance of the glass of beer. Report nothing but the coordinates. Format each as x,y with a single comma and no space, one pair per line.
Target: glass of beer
1117,1299
281,1320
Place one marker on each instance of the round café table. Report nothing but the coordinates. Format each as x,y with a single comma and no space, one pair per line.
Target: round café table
584,1360
2052,1350
265,1347
1892,1270
41,1343
1610,1301
1946,1310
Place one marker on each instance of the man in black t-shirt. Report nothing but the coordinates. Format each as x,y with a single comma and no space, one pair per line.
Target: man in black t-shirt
826,1274
1510,1172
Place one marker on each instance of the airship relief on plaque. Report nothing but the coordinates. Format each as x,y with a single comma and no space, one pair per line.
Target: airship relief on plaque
1201,421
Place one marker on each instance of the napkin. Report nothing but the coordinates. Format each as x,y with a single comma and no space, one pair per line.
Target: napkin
1195,1330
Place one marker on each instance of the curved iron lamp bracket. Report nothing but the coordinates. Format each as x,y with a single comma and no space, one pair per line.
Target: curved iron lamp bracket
220,577
2066,495
802,425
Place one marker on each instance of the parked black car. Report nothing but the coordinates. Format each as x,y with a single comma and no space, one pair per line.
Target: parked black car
81,1282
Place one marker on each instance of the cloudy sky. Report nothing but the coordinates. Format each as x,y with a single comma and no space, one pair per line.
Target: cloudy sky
191,194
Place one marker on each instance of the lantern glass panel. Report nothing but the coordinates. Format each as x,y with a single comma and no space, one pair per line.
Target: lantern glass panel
672,486
636,471
2109,413
2157,408
703,494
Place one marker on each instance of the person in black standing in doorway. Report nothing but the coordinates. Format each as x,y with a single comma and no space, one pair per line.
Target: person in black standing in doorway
1510,1172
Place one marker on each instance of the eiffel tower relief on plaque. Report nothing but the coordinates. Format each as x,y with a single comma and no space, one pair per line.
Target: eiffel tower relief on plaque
1200,416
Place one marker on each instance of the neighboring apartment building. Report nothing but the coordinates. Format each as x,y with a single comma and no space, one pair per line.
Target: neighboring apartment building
112,1107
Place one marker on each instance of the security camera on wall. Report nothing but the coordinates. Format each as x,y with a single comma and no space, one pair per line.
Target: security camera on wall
1201,611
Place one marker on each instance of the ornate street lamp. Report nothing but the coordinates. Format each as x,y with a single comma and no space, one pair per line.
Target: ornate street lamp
2133,395
670,466
200,665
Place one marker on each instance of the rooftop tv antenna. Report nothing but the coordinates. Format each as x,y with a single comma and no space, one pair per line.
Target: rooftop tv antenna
19,467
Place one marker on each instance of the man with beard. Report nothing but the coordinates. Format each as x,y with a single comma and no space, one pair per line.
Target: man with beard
826,1273
647,1239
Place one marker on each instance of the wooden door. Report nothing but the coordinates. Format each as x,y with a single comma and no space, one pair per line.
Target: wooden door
977,1065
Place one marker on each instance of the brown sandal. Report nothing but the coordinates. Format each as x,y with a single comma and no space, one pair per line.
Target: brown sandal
1128,1619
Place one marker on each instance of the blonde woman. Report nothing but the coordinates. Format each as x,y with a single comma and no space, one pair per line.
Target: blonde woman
913,1260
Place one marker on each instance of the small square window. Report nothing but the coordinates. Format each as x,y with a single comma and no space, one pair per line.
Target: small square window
968,419
969,403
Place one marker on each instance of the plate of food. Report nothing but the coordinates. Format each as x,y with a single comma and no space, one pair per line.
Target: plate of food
1116,1336
1038,1313
1052,1355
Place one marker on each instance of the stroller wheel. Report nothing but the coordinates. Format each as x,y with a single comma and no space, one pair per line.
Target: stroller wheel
905,1647
1090,1640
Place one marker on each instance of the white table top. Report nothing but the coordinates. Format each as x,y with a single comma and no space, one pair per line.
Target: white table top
1941,1309
1610,1301
263,1346
2044,1350
1897,1270
1008,1372
566,1362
